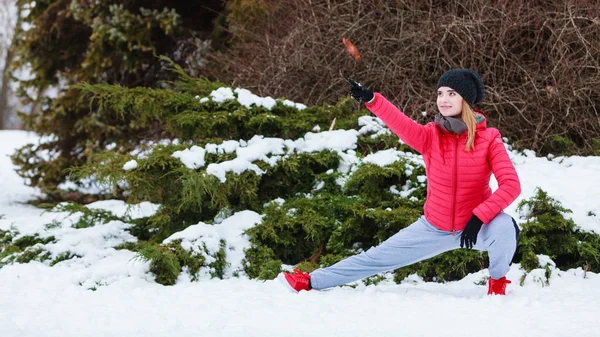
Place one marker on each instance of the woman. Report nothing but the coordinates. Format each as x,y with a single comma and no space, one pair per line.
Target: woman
460,154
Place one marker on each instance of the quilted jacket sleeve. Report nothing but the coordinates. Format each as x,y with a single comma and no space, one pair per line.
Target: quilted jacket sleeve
412,133
509,186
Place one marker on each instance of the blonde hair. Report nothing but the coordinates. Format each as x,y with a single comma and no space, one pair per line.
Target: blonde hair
468,116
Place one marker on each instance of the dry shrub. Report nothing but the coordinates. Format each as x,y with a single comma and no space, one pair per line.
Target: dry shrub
540,60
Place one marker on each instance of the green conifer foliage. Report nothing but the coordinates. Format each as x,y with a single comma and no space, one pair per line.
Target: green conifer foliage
328,214
334,222
163,263
22,249
449,266
547,231
100,42
89,217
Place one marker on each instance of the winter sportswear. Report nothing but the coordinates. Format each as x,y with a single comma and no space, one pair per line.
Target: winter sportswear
468,238
466,82
420,241
458,182
497,287
296,281
359,93
450,124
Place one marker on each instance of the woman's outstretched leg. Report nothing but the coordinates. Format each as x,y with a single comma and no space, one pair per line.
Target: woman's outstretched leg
412,244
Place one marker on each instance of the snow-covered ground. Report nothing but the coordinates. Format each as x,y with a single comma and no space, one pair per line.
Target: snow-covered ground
107,292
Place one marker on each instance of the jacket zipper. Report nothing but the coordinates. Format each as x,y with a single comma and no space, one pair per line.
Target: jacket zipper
454,179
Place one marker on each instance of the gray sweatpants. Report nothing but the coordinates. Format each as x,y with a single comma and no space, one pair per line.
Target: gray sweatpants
418,242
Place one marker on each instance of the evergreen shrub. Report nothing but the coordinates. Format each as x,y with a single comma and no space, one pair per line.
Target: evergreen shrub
88,217
328,213
548,231
22,249
449,266
97,42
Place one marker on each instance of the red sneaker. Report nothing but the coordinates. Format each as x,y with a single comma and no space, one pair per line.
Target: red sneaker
296,281
497,287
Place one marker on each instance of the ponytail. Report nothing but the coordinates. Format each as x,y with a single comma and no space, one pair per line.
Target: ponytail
468,116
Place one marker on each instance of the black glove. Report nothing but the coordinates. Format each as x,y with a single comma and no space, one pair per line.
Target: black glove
468,238
358,93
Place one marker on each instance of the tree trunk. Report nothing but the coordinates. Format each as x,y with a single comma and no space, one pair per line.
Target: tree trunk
5,86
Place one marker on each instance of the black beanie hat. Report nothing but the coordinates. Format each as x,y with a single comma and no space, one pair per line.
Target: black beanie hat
466,82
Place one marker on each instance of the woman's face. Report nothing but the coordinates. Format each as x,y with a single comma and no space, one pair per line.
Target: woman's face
449,102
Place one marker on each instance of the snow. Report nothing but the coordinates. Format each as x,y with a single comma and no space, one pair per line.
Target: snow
121,209
237,165
91,243
130,165
222,94
383,158
104,291
192,158
298,106
42,301
269,150
246,98
199,236
372,124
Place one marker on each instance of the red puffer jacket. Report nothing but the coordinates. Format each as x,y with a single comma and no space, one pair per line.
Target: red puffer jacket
458,182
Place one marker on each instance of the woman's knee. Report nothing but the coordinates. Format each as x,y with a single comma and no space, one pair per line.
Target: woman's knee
505,226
